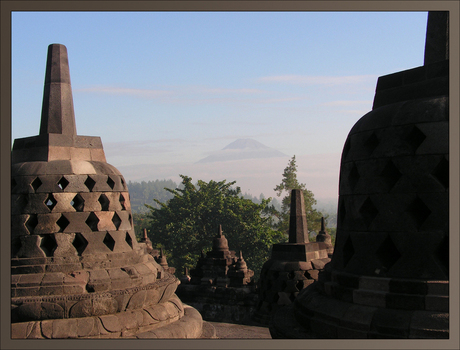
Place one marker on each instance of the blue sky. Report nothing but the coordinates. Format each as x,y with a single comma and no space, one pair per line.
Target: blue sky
166,89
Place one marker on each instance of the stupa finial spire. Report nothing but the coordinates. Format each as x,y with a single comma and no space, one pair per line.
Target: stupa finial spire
58,116
298,232
219,232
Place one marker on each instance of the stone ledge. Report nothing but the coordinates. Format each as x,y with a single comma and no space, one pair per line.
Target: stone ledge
175,322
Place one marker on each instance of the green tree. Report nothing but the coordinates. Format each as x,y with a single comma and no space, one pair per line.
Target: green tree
187,223
289,182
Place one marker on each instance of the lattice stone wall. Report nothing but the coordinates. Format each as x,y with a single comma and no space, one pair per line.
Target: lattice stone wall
59,215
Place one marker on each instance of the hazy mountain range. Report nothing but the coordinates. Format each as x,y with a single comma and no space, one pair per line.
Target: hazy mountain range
242,149
255,167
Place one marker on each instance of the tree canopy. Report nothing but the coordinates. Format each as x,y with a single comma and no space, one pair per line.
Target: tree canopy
187,223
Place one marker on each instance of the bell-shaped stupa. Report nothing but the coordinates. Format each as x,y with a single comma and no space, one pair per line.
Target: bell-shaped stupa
389,275
77,268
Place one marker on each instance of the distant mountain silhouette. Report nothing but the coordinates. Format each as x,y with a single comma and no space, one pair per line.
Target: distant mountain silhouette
243,149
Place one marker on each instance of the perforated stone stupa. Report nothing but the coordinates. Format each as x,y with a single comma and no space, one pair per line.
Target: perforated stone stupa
77,268
293,266
389,275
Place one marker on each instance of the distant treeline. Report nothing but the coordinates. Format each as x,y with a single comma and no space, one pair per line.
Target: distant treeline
145,192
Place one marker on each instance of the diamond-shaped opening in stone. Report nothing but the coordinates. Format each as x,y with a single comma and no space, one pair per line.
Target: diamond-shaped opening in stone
31,223
36,183
122,202
346,148
129,240
299,285
78,202
292,297
89,182
348,251
388,253
109,241
110,182
62,222
104,202
123,182
442,254
48,244
419,212
63,183
92,221
50,202
415,138
390,174
441,173
276,297
353,177
368,211
116,220
371,143
80,243
13,184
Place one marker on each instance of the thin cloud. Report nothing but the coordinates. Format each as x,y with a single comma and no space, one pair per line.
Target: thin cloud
318,80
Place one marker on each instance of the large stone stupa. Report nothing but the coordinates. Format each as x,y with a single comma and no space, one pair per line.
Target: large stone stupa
389,275
77,268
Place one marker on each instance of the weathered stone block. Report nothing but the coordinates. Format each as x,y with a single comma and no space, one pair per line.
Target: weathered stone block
358,317
393,323
47,223
137,301
51,290
437,303
85,326
438,288
374,283
104,306
111,323
79,153
97,154
369,298
105,221
58,167
29,280
36,204
77,222
47,328
81,167
25,269
18,227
